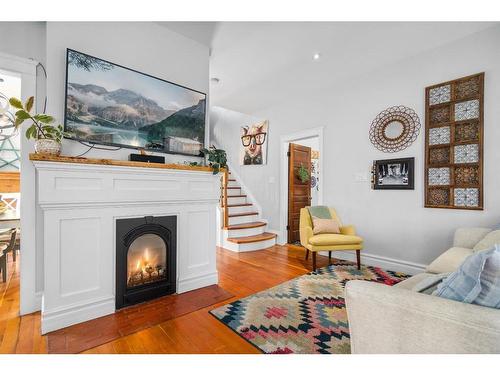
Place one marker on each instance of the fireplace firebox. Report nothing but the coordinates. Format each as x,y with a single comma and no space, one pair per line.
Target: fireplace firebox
145,259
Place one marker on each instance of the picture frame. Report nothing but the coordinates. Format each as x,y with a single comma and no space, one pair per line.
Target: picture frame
394,174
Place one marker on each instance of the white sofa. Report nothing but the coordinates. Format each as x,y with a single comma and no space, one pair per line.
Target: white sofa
385,319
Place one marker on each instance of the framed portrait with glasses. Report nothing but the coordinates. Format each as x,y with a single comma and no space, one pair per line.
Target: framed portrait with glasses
253,144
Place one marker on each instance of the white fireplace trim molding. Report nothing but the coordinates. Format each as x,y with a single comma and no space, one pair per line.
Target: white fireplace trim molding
79,205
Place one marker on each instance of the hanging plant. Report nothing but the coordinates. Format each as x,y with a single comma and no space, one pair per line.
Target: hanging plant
217,158
303,173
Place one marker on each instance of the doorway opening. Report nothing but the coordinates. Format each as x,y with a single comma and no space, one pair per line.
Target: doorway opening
302,182
10,165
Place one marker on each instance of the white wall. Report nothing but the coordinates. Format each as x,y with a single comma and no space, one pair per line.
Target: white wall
23,39
146,47
394,223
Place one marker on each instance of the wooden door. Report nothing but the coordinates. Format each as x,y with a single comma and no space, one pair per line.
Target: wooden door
299,193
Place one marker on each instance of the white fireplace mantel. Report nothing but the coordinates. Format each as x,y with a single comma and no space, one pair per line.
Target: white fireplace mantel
79,204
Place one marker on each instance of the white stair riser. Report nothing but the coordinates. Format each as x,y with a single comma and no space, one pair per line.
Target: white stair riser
234,192
253,246
246,232
233,183
241,209
243,219
237,200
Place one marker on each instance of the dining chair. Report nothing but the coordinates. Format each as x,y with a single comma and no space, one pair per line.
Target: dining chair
6,238
3,262
5,248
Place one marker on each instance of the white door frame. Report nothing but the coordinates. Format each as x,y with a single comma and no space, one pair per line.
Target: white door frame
285,141
30,294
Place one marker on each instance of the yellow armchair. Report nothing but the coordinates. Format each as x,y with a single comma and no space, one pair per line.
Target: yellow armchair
345,240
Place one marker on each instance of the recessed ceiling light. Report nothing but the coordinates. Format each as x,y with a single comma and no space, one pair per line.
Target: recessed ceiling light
215,80
316,56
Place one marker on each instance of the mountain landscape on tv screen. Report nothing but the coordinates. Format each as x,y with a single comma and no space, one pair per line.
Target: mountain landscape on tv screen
126,110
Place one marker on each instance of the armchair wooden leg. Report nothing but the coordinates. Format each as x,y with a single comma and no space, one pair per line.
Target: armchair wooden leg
314,260
307,253
358,258
329,257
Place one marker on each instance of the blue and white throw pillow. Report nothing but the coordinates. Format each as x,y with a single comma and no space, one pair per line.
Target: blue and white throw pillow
476,281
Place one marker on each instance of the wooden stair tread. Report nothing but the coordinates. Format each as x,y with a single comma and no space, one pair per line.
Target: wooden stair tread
231,179
234,187
253,224
257,238
243,214
237,196
240,205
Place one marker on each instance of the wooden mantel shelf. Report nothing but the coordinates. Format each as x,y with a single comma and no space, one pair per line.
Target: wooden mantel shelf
120,163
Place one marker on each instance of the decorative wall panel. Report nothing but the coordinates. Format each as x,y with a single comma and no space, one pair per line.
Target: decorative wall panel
454,143
467,153
467,131
439,155
439,176
439,136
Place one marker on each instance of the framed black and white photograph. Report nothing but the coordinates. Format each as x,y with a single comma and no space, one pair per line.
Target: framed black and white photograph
395,174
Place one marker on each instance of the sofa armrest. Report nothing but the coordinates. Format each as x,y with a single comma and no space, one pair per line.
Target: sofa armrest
348,230
384,319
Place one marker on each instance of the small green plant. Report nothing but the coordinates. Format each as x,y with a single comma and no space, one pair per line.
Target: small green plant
303,173
42,127
217,158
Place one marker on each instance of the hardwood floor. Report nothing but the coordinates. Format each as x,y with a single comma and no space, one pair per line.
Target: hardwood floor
241,274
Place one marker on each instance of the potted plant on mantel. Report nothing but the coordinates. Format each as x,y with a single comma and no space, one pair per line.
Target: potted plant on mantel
47,136
217,158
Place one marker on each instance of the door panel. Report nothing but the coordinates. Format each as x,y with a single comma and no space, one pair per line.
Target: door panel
299,193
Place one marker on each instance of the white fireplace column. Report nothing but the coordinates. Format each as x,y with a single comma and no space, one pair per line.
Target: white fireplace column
80,204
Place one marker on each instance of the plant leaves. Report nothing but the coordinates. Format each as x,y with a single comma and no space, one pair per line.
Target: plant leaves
22,114
16,103
18,122
42,117
29,103
31,132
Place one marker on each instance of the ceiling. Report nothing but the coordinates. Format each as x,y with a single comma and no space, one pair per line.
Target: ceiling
258,62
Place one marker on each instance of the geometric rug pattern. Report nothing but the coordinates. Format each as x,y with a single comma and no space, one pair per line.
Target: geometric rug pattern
306,315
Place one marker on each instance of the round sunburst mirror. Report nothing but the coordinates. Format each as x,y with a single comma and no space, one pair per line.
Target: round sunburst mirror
394,129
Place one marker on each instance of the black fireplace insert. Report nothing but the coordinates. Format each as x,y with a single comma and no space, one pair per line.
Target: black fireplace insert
145,259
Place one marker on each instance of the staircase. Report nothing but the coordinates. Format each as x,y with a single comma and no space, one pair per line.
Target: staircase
242,226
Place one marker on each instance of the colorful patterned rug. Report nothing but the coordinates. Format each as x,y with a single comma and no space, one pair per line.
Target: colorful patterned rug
305,315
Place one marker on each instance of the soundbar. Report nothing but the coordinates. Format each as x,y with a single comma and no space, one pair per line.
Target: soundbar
147,158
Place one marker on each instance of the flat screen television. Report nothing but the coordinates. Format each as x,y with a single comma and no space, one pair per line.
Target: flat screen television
112,105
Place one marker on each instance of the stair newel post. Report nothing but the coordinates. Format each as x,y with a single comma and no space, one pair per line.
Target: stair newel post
224,198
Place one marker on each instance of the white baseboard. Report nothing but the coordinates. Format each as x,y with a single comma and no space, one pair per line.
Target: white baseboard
386,263
281,239
197,282
57,319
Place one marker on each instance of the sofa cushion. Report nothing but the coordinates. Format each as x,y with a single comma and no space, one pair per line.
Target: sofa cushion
334,239
490,240
449,261
476,281
469,237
